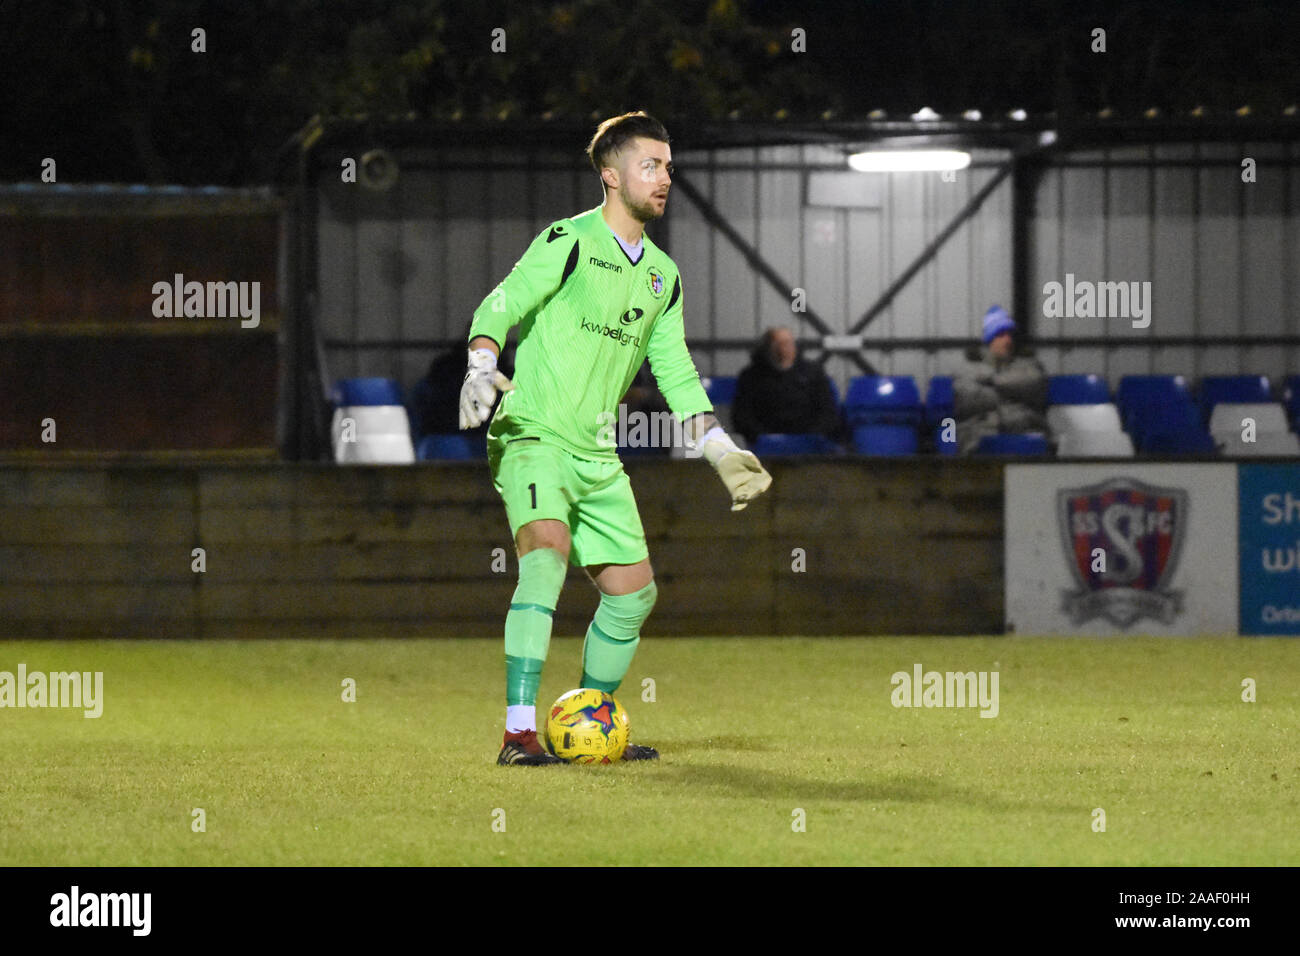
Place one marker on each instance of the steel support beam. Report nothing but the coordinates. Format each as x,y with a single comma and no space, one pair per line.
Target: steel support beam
756,262
932,249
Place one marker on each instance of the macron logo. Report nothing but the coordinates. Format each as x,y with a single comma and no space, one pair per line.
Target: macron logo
605,265
102,909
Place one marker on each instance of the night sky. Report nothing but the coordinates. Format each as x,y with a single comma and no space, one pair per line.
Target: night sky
114,92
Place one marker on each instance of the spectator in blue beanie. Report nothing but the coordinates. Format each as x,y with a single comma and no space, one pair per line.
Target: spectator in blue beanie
998,391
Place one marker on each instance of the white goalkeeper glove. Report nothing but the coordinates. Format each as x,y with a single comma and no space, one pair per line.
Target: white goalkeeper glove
739,470
479,392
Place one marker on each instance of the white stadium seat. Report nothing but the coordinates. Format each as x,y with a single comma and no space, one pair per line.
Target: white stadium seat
1271,435
1266,444
1089,418
1088,431
1228,417
382,436
1094,444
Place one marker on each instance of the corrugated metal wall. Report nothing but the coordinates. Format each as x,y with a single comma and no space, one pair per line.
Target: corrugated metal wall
413,263
842,237
1221,255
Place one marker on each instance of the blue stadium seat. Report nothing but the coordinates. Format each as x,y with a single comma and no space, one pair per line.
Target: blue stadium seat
767,446
885,440
1245,389
1162,418
367,391
938,399
370,424
455,447
633,451
883,400
1030,444
721,389
1174,428
1182,441
944,447
1077,390
415,404
1291,399
1135,388
1140,396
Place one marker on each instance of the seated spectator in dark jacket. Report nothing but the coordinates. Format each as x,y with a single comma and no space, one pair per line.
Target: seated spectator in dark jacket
781,393
435,400
998,392
643,394
644,419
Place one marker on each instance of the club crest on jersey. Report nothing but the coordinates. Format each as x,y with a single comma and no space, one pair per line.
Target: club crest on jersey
656,281
1122,539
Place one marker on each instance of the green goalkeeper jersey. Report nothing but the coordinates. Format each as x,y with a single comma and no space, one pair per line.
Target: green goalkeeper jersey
588,317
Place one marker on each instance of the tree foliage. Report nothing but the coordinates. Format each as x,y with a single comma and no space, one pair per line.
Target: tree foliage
112,89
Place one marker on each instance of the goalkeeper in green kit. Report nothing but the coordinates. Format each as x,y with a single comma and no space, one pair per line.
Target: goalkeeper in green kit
593,298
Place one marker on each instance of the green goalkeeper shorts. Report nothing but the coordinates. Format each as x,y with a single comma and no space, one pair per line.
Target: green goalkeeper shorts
594,498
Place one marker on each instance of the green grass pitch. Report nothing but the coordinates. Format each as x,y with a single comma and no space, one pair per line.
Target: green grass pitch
1154,732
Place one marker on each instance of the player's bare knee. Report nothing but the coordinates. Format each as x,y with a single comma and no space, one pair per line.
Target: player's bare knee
618,580
545,533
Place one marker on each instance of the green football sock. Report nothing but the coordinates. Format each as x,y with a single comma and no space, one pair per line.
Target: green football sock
613,636
528,623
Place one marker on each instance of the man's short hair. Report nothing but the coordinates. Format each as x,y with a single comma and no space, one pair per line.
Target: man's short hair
617,131
770,333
